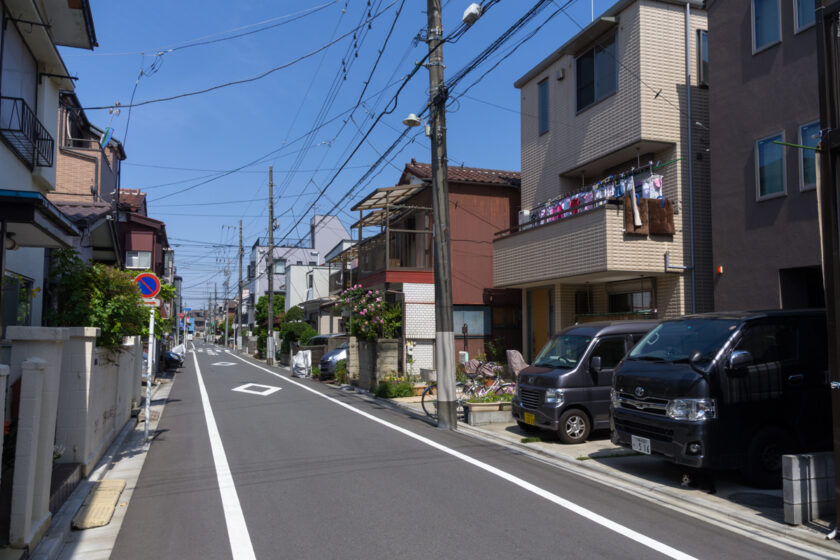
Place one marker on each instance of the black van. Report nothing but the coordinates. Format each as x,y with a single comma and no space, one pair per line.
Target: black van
567,389
727,391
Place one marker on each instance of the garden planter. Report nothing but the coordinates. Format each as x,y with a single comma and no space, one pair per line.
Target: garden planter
418,389
477,414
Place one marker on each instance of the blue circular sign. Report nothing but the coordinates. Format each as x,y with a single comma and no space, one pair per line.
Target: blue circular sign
148,284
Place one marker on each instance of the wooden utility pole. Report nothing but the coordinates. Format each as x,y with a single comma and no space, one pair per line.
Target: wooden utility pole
444,331
269,343
239,306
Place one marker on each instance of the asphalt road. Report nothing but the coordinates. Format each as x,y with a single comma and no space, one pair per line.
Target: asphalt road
317,473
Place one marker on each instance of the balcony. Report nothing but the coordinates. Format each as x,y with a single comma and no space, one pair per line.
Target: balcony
24,134
594,245
405,250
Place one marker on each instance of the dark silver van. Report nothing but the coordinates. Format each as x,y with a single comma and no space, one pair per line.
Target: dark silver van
567,389
730,390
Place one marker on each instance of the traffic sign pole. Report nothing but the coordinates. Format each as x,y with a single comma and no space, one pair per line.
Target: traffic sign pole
149,372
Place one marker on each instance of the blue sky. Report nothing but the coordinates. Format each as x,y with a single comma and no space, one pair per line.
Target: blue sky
178,144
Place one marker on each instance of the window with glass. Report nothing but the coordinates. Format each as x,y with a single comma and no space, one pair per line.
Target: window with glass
542,109
770,165
809,135
767,24
703,57
636,296
19,68
804,13
138,259
563,351
596,73
610,350
476,318
280,267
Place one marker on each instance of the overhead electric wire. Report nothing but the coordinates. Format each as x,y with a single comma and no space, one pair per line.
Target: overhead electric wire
244,80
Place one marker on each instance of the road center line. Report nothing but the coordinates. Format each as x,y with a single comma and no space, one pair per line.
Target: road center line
240,540
554,498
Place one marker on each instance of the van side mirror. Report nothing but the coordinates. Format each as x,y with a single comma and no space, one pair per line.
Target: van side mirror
739,359
595,364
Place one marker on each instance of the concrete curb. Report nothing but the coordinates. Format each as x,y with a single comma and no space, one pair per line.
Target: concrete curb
53,542
801,541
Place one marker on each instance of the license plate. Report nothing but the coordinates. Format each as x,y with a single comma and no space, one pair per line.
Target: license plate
640,444
528,418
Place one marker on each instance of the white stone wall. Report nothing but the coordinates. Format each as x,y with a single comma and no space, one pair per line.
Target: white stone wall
420,323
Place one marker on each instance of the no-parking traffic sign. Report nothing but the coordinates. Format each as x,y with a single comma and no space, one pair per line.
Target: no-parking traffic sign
148,283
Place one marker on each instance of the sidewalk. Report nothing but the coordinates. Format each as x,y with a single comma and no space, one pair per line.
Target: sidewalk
122,461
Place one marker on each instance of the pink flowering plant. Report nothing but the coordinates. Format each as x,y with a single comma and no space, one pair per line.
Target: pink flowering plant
371,317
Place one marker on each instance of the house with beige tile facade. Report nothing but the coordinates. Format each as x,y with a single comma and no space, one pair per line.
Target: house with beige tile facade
605,115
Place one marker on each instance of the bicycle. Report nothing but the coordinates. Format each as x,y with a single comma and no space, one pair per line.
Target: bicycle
471,389
429,400
476,373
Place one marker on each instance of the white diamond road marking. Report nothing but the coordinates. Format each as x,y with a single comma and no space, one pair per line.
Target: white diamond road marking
266,389
210,352
224,364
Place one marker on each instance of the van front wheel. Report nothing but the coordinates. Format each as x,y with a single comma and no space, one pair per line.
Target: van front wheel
764,457
574,426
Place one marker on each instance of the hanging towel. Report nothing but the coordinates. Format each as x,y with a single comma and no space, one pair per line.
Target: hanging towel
637,219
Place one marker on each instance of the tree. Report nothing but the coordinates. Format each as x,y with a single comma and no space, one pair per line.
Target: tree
261,310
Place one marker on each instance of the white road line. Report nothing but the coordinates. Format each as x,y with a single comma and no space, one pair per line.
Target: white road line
240,539
554,498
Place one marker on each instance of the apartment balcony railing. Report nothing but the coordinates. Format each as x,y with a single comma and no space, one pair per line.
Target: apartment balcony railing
405,250
24,134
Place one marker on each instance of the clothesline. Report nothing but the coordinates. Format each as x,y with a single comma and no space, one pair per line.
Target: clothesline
597,194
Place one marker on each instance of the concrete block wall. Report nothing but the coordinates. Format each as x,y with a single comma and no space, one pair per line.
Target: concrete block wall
78,356
808,482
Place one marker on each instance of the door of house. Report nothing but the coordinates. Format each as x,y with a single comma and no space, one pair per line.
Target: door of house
540,319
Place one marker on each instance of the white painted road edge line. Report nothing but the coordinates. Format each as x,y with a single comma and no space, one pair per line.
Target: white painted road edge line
240,540
554,498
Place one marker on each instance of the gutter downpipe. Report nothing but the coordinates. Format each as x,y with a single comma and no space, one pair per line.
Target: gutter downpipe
690,153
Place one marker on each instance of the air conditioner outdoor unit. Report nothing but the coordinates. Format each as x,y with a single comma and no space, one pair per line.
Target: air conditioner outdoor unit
524,217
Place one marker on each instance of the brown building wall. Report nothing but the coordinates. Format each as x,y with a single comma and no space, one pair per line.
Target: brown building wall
753,96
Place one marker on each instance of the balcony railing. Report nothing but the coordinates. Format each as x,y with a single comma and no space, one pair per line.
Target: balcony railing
24,134
405,250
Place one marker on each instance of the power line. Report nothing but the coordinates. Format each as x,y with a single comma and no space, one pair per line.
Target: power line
245,80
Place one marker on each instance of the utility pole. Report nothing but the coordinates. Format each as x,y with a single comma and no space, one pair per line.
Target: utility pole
215,306
444,331
269,342
239,305
227,278
207,317
828,201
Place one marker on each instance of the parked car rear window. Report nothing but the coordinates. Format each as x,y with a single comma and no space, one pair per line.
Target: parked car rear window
676,341
563,351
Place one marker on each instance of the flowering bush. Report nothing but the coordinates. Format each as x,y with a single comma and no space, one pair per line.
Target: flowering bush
371,317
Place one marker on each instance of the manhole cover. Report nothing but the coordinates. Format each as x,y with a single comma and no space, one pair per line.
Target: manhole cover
757,500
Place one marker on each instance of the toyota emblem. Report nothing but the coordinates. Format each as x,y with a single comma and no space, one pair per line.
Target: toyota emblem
639,392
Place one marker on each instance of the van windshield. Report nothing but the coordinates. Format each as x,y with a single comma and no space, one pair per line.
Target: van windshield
676,341
563,351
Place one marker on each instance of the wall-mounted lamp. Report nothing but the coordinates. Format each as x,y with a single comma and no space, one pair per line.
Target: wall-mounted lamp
413,120
11,244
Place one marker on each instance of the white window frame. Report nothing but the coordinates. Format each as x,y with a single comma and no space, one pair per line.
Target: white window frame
756,50
278,262
796,27
137,257
783,192
802,185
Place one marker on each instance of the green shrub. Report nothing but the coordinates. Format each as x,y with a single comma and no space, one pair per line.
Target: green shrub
316,372
394,388
107,299
341,372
